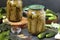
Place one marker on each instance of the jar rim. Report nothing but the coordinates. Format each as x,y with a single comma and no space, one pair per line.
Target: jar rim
36,7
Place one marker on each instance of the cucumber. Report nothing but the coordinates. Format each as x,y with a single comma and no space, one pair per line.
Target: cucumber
50,34
49,11
41,35
49,14
52,18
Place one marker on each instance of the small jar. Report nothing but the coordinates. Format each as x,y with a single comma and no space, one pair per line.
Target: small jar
14,10
36,19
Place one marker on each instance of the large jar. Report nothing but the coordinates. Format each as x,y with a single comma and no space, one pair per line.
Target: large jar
36,19
14,10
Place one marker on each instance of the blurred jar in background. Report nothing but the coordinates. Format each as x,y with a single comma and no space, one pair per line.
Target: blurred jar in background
14,10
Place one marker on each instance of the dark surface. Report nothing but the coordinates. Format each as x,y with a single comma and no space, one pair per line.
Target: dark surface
25,32
51,4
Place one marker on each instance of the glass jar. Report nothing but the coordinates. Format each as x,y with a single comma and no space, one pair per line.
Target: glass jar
36,19
14,10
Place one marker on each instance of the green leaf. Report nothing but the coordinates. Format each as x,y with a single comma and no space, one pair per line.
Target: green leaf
1,16
4,35
59,29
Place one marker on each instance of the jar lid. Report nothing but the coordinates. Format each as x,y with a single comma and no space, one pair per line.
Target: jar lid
36,7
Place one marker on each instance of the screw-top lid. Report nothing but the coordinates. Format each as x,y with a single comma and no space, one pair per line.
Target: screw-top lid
36,7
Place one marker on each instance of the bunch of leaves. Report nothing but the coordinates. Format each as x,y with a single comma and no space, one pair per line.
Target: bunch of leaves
2,10
4,27
4,31
59,29
1,16
4,35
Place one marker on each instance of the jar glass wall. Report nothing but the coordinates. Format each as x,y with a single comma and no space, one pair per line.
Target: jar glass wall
36,19
14,10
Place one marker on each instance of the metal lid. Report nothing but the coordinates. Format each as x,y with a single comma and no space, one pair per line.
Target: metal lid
36,7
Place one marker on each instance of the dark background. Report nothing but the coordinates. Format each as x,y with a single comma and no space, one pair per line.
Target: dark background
50,4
